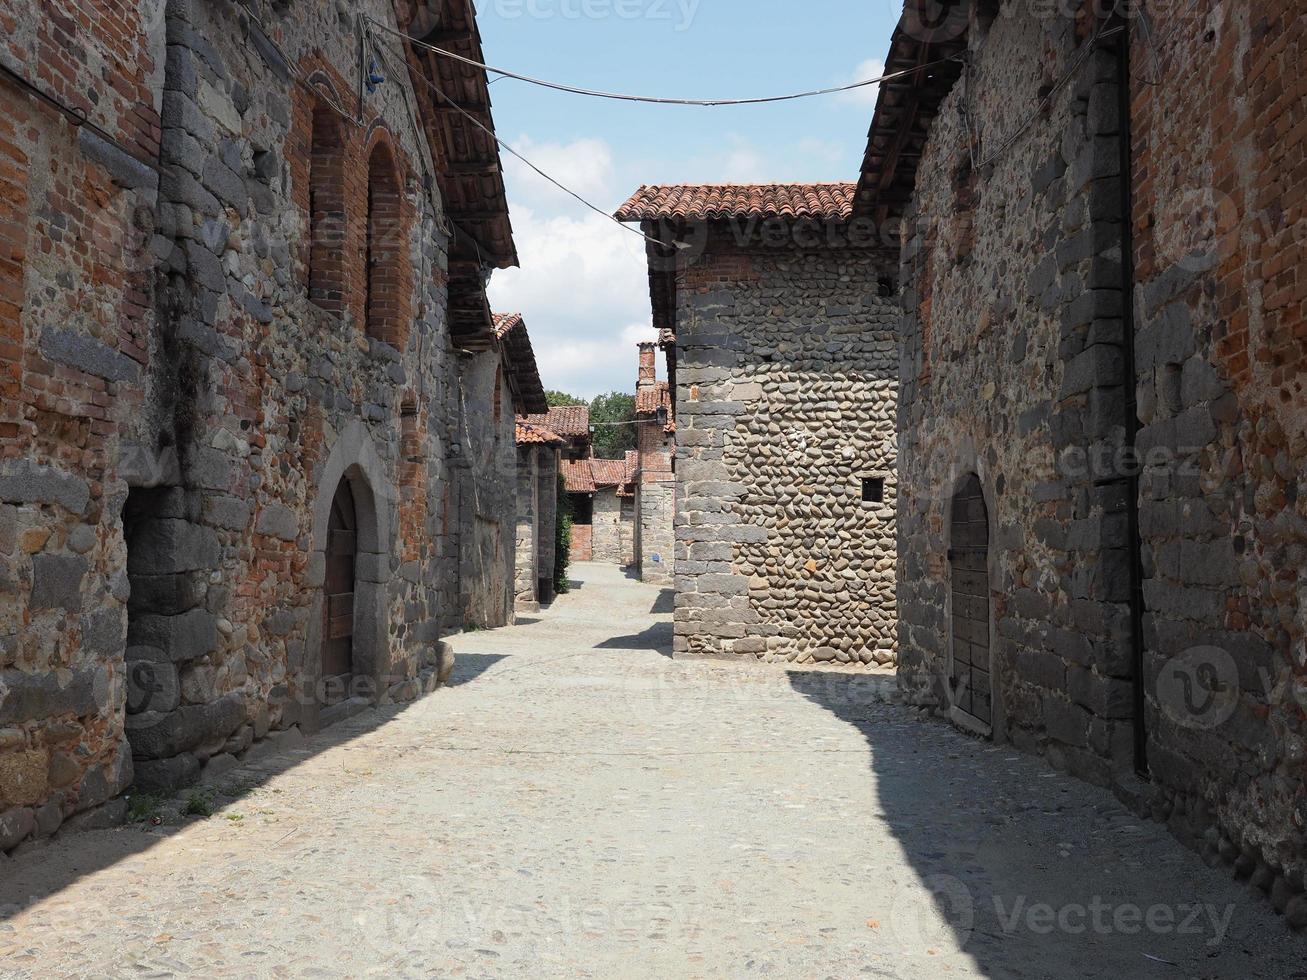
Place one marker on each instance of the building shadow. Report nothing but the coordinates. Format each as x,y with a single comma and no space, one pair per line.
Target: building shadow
971,821
665,604
657,637
469,666
42,868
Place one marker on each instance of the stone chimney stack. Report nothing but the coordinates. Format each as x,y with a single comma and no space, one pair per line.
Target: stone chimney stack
648,371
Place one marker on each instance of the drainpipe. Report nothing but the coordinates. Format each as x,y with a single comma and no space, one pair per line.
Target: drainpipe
1131,409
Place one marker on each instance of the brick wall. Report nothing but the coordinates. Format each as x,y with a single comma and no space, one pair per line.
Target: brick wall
1013,372
179,412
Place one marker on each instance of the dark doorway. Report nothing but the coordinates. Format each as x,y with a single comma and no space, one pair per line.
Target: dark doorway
338,609
969,565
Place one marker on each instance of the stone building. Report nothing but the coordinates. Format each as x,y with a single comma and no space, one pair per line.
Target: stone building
538,452
1103,424
251,383
785,371
572,422
655,480
602,504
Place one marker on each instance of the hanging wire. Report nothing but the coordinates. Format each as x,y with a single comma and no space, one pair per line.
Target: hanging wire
598,94
509,149
1086,50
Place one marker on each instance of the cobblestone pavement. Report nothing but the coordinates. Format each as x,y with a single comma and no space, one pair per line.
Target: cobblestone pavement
577,804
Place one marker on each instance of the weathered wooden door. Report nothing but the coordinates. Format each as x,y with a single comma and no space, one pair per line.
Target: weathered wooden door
969,564
338,607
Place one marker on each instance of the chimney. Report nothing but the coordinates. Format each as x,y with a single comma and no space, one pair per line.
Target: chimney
648,372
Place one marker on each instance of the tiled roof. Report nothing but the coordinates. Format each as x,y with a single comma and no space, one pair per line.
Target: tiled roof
712,202
505,322
570,421
648,399
608,472
632,464
536,435
907,106
520,360
577,477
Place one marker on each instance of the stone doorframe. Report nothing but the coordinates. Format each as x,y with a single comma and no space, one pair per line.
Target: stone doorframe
354,458
964,466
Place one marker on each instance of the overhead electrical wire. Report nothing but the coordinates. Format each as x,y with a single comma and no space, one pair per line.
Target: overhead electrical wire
509,149
654,100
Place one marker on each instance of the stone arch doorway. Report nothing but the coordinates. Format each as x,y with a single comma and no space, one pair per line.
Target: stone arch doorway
970,681
351,491
337,653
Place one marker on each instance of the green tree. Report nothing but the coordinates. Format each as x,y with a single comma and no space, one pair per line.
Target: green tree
561,399
611,441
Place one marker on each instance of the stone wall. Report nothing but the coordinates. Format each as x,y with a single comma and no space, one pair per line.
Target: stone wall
76,247
785,402
655,517
1014,371
191,370
537,514
488,493
1220,259
611,532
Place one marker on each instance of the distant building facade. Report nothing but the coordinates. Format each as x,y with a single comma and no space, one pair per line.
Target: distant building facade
779,324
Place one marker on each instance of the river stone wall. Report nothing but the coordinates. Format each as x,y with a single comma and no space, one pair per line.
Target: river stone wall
786,388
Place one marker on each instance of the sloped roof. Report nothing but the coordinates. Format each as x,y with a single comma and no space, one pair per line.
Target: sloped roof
536,435
907,106
577,476
608,472
715,202
468,167
649,398
569,421
520,361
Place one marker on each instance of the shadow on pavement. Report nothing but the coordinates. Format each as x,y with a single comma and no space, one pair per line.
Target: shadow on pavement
48,866
469,666
1032,873
665,603
657,637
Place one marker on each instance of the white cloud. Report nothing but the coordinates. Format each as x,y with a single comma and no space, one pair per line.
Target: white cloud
871,68
585,165
583,284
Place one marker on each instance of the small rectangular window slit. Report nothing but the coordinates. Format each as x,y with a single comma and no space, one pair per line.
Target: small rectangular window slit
873,489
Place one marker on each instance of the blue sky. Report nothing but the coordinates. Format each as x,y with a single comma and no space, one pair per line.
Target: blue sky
582,284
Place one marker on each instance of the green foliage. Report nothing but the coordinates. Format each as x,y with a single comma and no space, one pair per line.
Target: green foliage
561,399
198,804
144,808
562,541
612,441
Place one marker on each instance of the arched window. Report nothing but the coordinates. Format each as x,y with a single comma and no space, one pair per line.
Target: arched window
385,246
326,211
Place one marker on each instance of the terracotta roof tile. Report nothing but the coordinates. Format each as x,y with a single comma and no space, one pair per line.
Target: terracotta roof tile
571,421
608,472
649,399
529,434
713,202
577,477
504,322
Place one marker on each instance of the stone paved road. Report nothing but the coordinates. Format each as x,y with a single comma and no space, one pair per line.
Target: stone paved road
577,804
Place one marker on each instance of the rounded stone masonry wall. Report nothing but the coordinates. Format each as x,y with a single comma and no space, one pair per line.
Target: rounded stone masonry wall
787,387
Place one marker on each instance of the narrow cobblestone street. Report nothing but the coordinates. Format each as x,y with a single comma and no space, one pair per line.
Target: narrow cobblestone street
578,804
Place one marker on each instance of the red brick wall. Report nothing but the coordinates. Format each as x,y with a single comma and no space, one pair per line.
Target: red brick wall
337,160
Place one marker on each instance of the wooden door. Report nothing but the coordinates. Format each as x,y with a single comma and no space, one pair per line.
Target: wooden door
338,605
969,565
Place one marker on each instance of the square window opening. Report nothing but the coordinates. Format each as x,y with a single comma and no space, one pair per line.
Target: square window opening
873,489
